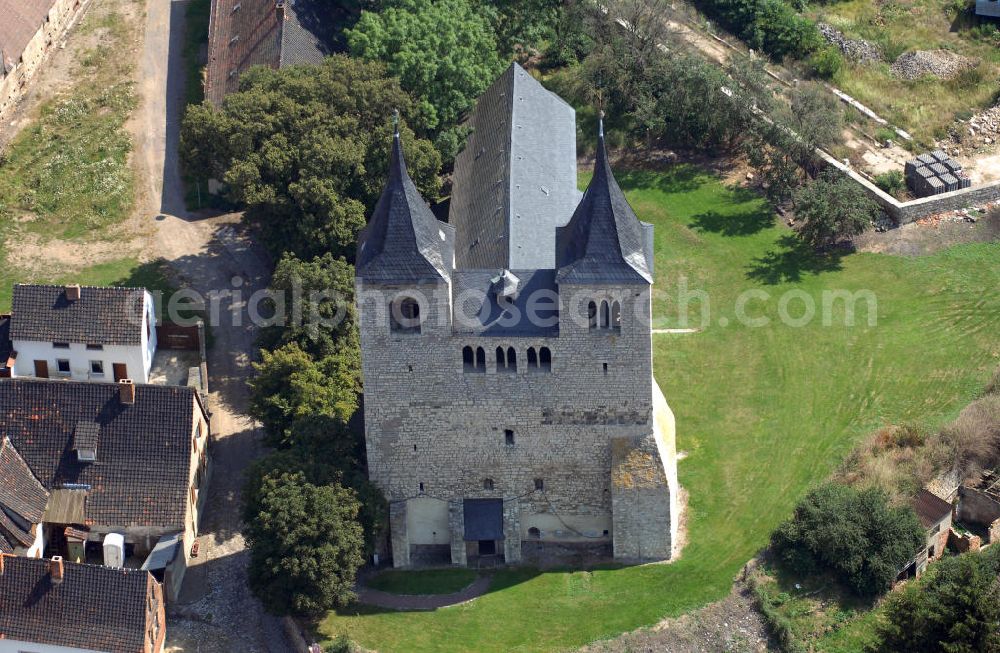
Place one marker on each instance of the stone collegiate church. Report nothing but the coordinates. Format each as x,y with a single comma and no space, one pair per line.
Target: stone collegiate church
510,408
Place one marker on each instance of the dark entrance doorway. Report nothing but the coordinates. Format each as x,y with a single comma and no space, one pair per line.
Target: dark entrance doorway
121,372
42,369
487,547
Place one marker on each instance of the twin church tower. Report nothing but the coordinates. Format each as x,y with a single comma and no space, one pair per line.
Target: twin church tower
510,408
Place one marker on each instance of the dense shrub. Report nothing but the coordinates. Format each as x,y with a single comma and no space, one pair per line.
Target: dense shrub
772,26
954,608
826,62
891,182
833,207
856,535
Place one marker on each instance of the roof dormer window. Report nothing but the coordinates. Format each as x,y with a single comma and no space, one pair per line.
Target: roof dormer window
85,438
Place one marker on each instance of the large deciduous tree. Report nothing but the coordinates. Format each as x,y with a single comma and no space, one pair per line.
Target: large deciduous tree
305,544
443,51
290,385
313,304
305,149
833,207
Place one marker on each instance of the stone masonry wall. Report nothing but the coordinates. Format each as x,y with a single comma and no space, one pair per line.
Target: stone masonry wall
434,429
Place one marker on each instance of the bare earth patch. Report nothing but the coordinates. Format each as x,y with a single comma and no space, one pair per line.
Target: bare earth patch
30,253
728,626
932,234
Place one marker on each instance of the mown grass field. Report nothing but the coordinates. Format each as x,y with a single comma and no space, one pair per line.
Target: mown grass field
928,106
762,412
67,173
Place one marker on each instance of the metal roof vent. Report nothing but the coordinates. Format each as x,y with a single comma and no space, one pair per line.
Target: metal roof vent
506,285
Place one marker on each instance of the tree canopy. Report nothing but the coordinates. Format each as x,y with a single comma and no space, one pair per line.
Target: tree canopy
316,298
833,207
953,608
443,51
290,384
855,534
306,148
325,451
305,544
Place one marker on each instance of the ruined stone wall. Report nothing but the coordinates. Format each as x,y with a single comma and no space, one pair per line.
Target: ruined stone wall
976,507
429,422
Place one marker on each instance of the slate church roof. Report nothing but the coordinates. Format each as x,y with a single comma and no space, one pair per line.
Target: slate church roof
273,33
94,608
102,315
604,242
141,475
515,181
403,241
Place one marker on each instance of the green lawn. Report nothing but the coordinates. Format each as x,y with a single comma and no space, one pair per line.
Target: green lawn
763,413
67,175
426,581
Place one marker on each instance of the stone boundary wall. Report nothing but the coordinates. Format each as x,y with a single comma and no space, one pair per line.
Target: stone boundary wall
906,212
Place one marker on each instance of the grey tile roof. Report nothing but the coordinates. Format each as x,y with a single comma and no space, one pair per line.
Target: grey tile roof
483,519
95,608
246,33
141,475
515,180
403,242
307,33
102,316
20,491
5,346
604,242
477,310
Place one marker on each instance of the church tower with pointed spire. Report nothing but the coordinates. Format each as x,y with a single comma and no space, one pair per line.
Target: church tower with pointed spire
511,414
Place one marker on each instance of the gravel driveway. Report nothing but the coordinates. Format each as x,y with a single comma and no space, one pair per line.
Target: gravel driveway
216,612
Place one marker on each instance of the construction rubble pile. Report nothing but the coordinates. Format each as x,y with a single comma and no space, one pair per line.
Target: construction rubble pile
934,173
854,49
939,63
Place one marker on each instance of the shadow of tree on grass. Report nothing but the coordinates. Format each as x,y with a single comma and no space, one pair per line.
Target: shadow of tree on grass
792,261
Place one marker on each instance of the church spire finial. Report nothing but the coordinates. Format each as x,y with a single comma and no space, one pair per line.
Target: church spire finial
600,124
395,123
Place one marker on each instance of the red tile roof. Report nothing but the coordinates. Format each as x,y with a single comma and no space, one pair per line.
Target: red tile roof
930,508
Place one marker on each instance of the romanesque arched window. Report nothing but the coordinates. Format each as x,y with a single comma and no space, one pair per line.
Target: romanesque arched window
616,315
487,483
534,533
468,360
404,315
592,315
511,359
605,317
501,359
480,359
532,359
545,359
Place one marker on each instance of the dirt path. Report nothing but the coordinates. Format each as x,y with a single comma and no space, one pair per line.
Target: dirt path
728,626
216,612
391,601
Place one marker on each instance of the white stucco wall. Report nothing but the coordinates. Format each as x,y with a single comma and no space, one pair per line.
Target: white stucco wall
138,359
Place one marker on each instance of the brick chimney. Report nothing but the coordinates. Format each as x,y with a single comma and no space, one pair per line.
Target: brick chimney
56,570
126,391
73,292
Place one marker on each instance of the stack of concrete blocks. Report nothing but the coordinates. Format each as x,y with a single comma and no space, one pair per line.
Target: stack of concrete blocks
934,173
